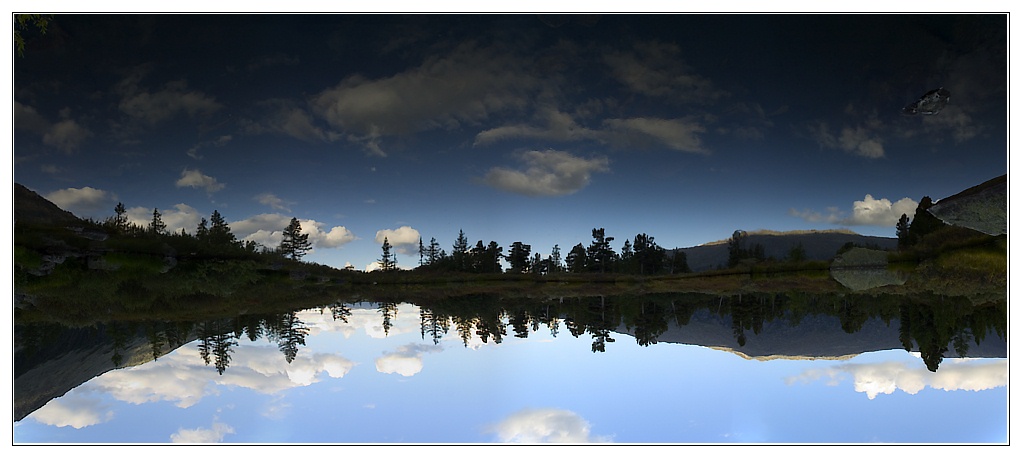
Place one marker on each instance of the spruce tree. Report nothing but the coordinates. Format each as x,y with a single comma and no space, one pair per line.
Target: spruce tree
295,244
157,226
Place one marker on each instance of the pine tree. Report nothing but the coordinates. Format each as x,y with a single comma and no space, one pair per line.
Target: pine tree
202,232
295,244
387,261
555,259
157,226
902,232
120,218
460,252
599,255
518,257
422,251
220,233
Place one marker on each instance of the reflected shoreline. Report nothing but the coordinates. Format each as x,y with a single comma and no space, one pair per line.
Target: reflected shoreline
51,360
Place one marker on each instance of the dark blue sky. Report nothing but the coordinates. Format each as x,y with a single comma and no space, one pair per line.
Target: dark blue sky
511,127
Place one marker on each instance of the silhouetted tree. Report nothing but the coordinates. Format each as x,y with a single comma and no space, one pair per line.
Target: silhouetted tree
156,226
120,218
294,244
649,256
460,252
433,252
736,248
422,251
923,222
202,231
518,257
555,265
575,261
902,232
387,262
220,233
599,255
677,262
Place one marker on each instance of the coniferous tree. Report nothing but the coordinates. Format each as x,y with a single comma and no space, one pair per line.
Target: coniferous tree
433,252
678,262
493,256
156,226
518,257
202,231
736,248
294,244
387,261
575,261
902,232
422,252
599,255
460,252
923,222
220,233
555,259
120,218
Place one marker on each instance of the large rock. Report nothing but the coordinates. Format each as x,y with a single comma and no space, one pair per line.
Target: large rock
864,269
981,208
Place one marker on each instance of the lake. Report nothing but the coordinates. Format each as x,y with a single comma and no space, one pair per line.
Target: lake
666,368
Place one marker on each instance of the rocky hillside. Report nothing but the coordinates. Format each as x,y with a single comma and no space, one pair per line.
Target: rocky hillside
29,207
818,245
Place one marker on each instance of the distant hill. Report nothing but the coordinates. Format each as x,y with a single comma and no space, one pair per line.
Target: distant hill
29,207
818,245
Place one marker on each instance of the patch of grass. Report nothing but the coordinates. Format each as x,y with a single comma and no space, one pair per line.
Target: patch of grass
26,258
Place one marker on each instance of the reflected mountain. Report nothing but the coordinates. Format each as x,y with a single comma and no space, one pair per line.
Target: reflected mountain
50,360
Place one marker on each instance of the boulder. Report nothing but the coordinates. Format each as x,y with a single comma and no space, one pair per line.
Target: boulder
981,208
864,269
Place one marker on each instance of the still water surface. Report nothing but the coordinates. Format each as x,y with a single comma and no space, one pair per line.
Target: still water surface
381,373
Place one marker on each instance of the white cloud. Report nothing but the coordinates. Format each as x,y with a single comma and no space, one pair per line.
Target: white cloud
547,173
174,99
269,199
545,425
407,360
887,377
868,212
65,135
555,125
268,229
860,140
77,412
215,434
656,70
463,87
676,134
681,134
86,201
404,239
288,118
193,178
181,216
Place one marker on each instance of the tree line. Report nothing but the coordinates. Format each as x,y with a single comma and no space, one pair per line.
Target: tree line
639,255
211,236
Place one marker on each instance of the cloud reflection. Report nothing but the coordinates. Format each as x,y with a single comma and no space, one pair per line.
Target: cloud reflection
182,378
407,360
884,378
545,425
215,434
77,412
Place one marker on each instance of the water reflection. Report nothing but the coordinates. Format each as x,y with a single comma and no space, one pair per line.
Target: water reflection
183,363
